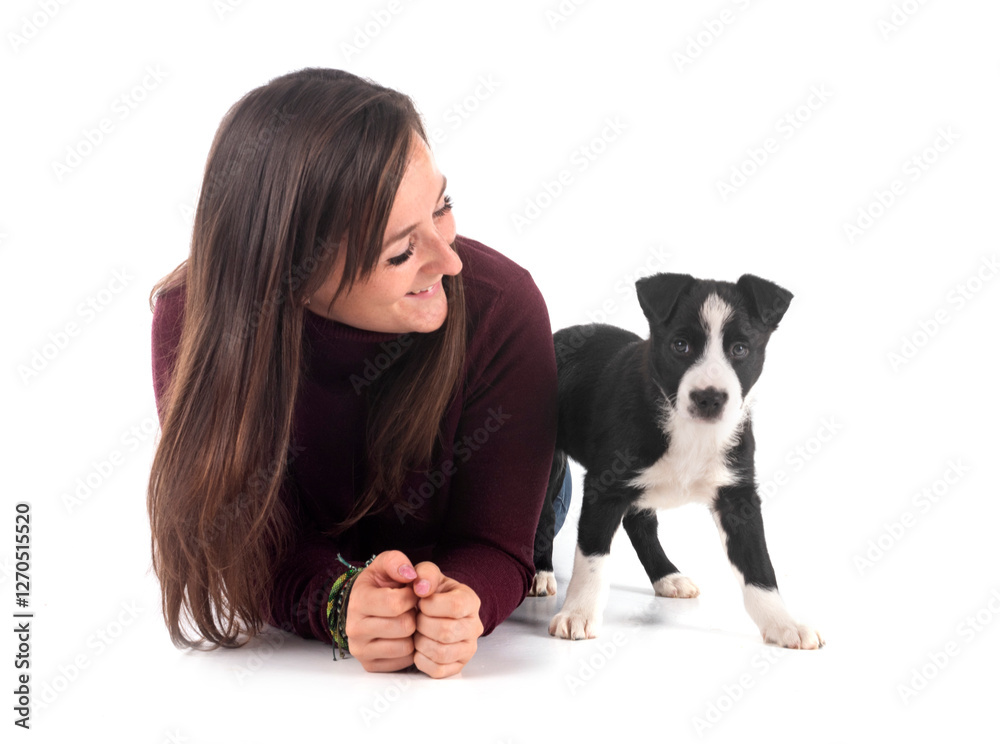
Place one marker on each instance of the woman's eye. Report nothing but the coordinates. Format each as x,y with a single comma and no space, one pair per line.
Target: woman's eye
681,346
448,204
402,257
739,350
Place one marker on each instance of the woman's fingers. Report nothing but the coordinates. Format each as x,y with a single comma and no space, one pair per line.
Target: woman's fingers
432,669
448,627
429,579
368,626
450,600
445,653
449,630
387,665
400,615
391,568
374,601
382,649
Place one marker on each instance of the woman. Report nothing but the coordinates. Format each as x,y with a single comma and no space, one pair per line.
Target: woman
338,376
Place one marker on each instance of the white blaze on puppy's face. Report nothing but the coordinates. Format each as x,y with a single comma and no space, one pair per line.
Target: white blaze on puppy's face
713,368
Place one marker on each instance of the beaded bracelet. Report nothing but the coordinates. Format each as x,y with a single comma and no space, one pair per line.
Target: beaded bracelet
336,616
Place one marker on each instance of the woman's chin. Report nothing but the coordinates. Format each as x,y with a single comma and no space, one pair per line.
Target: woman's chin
426,318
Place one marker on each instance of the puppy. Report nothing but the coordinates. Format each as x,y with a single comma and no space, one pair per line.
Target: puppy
659,423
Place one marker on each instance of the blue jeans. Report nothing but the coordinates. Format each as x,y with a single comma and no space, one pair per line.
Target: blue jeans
561,500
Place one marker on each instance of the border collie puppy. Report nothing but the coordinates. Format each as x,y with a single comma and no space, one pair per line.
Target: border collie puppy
659,423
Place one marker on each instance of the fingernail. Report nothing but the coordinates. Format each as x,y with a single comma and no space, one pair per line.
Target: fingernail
422,586
407,571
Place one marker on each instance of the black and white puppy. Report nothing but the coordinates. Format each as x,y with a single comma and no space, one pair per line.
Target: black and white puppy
659,423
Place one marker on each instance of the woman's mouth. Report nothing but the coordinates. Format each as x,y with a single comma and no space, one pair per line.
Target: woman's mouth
426,291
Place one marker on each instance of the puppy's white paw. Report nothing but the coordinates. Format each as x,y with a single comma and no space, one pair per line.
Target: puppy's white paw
543,585
792,636
574,626
675,585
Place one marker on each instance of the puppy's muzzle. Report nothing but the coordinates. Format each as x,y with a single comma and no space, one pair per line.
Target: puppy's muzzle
708,403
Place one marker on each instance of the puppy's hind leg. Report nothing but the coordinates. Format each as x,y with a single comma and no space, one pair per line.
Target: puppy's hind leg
640,526
586,596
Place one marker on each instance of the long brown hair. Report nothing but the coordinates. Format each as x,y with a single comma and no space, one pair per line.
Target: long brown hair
296,165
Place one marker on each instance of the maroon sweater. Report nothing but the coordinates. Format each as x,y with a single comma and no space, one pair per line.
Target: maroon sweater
474,512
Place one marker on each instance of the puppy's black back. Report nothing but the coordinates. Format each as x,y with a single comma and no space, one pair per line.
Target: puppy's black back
605,404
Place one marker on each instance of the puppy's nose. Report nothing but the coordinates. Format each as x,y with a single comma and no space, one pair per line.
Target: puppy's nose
709,402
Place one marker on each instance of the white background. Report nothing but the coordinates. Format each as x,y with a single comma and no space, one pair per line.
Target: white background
648,200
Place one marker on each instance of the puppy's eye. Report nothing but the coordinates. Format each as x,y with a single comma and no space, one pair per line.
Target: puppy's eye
739,350
680,346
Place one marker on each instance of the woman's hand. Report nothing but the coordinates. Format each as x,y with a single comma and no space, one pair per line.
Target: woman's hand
382,614
447,622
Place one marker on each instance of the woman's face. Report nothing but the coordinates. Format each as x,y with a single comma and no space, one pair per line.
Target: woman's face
404,293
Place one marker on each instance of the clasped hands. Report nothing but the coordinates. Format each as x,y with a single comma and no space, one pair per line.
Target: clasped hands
400,615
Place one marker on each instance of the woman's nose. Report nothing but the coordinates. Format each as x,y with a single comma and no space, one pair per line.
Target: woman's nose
446,260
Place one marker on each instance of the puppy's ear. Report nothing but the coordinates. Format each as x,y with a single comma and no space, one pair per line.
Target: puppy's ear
658,295
767,301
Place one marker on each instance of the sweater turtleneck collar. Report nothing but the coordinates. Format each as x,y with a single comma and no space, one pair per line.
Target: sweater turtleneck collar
342,356
334,330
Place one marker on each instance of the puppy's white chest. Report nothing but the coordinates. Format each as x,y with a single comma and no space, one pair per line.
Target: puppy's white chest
691,471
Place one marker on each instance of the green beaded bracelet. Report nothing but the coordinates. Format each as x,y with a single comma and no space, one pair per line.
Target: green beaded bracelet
336,616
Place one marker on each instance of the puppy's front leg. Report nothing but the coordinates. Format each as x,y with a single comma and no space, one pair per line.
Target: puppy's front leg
737,513
587,594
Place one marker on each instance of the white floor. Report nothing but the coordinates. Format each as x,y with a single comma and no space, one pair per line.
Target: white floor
680,670
592,143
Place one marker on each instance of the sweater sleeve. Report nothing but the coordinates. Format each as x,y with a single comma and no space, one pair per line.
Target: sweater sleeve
301,585
503,455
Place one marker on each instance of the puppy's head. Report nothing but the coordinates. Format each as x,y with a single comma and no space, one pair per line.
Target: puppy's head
707,341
